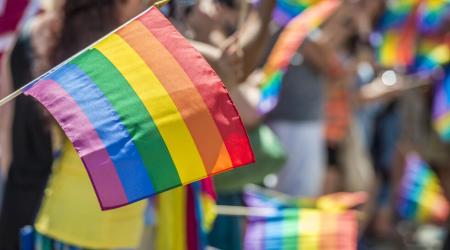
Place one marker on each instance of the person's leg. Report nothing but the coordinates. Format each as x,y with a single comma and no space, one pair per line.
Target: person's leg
302,175
332,175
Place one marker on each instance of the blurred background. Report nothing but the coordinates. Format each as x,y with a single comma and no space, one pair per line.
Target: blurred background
346,103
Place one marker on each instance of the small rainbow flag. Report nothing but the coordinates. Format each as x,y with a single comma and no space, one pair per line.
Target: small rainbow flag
285,48
293,227
433,15
420,197
395,36
184,216
145,112
431,54
441,106
397,41
200,213
286,10
396,14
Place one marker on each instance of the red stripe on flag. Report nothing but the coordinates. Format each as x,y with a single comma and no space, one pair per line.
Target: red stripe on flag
208,85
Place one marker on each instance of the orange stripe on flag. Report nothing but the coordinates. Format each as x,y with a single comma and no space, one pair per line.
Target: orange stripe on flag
183,93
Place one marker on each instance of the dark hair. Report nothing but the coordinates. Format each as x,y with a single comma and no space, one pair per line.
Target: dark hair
81,23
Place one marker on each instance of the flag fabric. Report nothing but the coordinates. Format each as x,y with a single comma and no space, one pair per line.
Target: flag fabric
432,54
395,36
200,213
433,15
407,29
291,226
441,106
185,216
286,10
69,211
396,14
145,112
296,228
410,36
285,48
421,197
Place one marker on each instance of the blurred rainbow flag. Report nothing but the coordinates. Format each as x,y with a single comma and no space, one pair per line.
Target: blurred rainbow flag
396,32
420,197
287,44
291,226
405,33
286,10
433,14
431,54
441,106
185,216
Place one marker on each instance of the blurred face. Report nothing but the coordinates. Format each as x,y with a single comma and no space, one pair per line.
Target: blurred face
130,8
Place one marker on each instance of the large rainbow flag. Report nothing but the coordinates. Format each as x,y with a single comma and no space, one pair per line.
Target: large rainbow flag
421,197
145,112
285,48
291,227
441,106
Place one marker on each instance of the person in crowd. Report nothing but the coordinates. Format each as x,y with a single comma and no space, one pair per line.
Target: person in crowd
26,144
298,117
53,36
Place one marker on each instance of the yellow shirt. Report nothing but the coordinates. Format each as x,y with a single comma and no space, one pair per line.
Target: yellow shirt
71,213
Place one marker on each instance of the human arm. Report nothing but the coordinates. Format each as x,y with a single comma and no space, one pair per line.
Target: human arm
252,37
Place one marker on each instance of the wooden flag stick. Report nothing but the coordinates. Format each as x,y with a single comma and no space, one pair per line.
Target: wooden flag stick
21,90
246,211
263,212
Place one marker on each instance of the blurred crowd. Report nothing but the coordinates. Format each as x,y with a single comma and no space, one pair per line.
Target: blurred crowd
343,122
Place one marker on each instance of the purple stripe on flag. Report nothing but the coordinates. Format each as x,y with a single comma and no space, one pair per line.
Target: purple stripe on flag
255,234
440,102
281,17
66,111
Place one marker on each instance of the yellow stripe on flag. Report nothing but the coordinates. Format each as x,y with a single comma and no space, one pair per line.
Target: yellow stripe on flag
309,229
159,105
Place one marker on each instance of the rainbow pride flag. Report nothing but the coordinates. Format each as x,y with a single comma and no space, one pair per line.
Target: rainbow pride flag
420,197
184,216
395,36
145,112
441,106
396,14
293,227
432,54
286,10
433,15
407,30
285,48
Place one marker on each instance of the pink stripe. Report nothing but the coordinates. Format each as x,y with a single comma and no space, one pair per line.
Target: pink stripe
76,125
